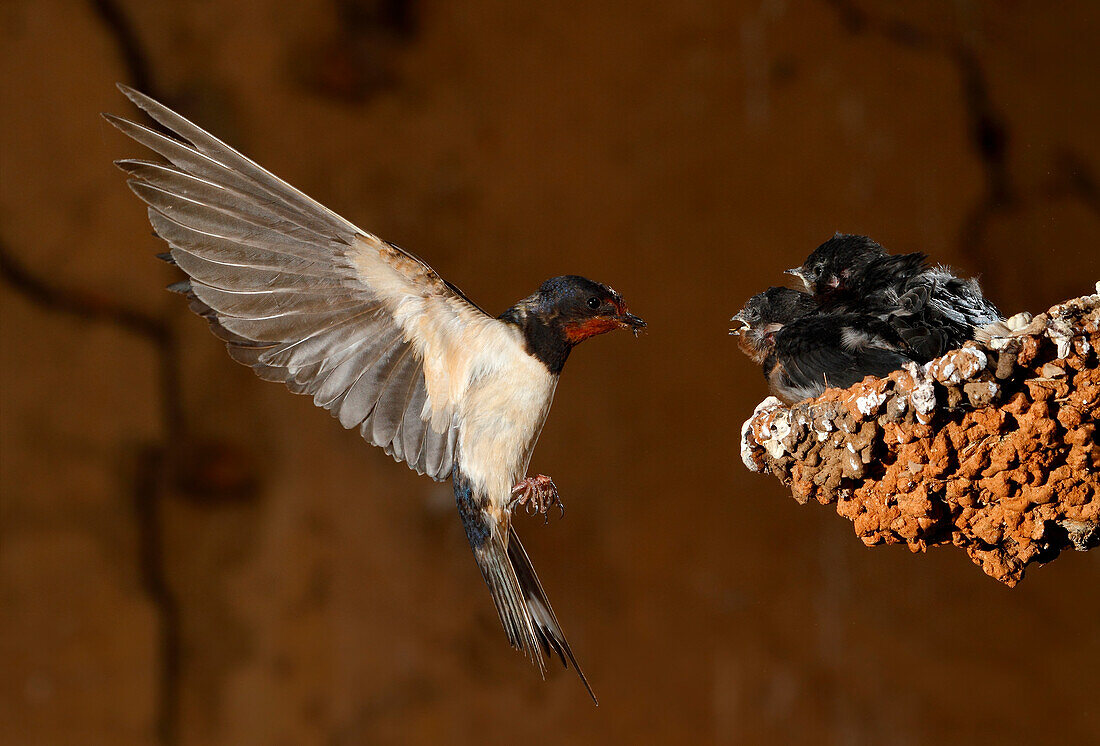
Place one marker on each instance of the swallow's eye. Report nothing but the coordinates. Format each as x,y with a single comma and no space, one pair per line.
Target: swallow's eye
593,303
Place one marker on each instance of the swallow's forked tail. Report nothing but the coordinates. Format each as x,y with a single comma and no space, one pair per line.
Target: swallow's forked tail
522,605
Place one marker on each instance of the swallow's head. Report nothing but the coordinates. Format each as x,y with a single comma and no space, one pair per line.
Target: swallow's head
832,264
764,315
581,308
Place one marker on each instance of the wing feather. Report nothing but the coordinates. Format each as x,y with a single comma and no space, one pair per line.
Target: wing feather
407,377
812,361
313,212
387,412
413,426
205,192
305,298
237,277
232,225
240,252
359,381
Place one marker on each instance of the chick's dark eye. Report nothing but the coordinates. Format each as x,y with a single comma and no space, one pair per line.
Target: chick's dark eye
593,303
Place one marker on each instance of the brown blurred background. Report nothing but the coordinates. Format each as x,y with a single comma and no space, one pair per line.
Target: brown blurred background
192,556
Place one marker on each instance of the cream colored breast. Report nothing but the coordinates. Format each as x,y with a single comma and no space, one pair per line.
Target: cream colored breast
503,412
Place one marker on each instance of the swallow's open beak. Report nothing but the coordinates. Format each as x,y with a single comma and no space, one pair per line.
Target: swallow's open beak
743,325
632,322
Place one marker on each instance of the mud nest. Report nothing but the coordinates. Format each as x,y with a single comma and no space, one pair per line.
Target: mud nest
992,448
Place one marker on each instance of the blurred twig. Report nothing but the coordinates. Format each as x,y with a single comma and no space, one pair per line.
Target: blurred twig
988,129
152,467
988,132
99,308
989,135
79,303
121,31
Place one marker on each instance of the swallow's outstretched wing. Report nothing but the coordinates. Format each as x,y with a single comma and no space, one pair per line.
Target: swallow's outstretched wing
304,297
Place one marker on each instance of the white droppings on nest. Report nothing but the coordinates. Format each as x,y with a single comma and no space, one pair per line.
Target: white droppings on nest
870,402
822,426
922,393
976,364
1062,322
923,397
780,429
1061,332
746,446
1065,344
959,366
747,441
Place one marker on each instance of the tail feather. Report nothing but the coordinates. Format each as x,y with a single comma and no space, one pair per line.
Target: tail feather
522,605
508,597
546,625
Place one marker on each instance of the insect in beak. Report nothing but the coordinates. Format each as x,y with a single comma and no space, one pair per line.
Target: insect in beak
633,323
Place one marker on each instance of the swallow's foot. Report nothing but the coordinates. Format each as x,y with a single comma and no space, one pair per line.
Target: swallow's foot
538,494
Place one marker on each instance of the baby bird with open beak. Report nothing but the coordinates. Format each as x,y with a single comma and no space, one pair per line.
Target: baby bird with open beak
803,352
764,316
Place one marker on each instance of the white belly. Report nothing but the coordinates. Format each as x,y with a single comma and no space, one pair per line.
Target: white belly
503,412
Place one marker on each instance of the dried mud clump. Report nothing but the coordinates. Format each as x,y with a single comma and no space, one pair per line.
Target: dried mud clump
992,448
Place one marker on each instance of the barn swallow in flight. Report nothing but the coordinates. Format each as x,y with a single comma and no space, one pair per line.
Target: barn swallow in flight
930,307
803,351
380,340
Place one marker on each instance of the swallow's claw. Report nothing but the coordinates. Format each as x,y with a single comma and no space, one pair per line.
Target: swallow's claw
537,494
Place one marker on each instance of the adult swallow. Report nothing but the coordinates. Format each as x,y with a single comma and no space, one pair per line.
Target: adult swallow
380,340
930,307
803,351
